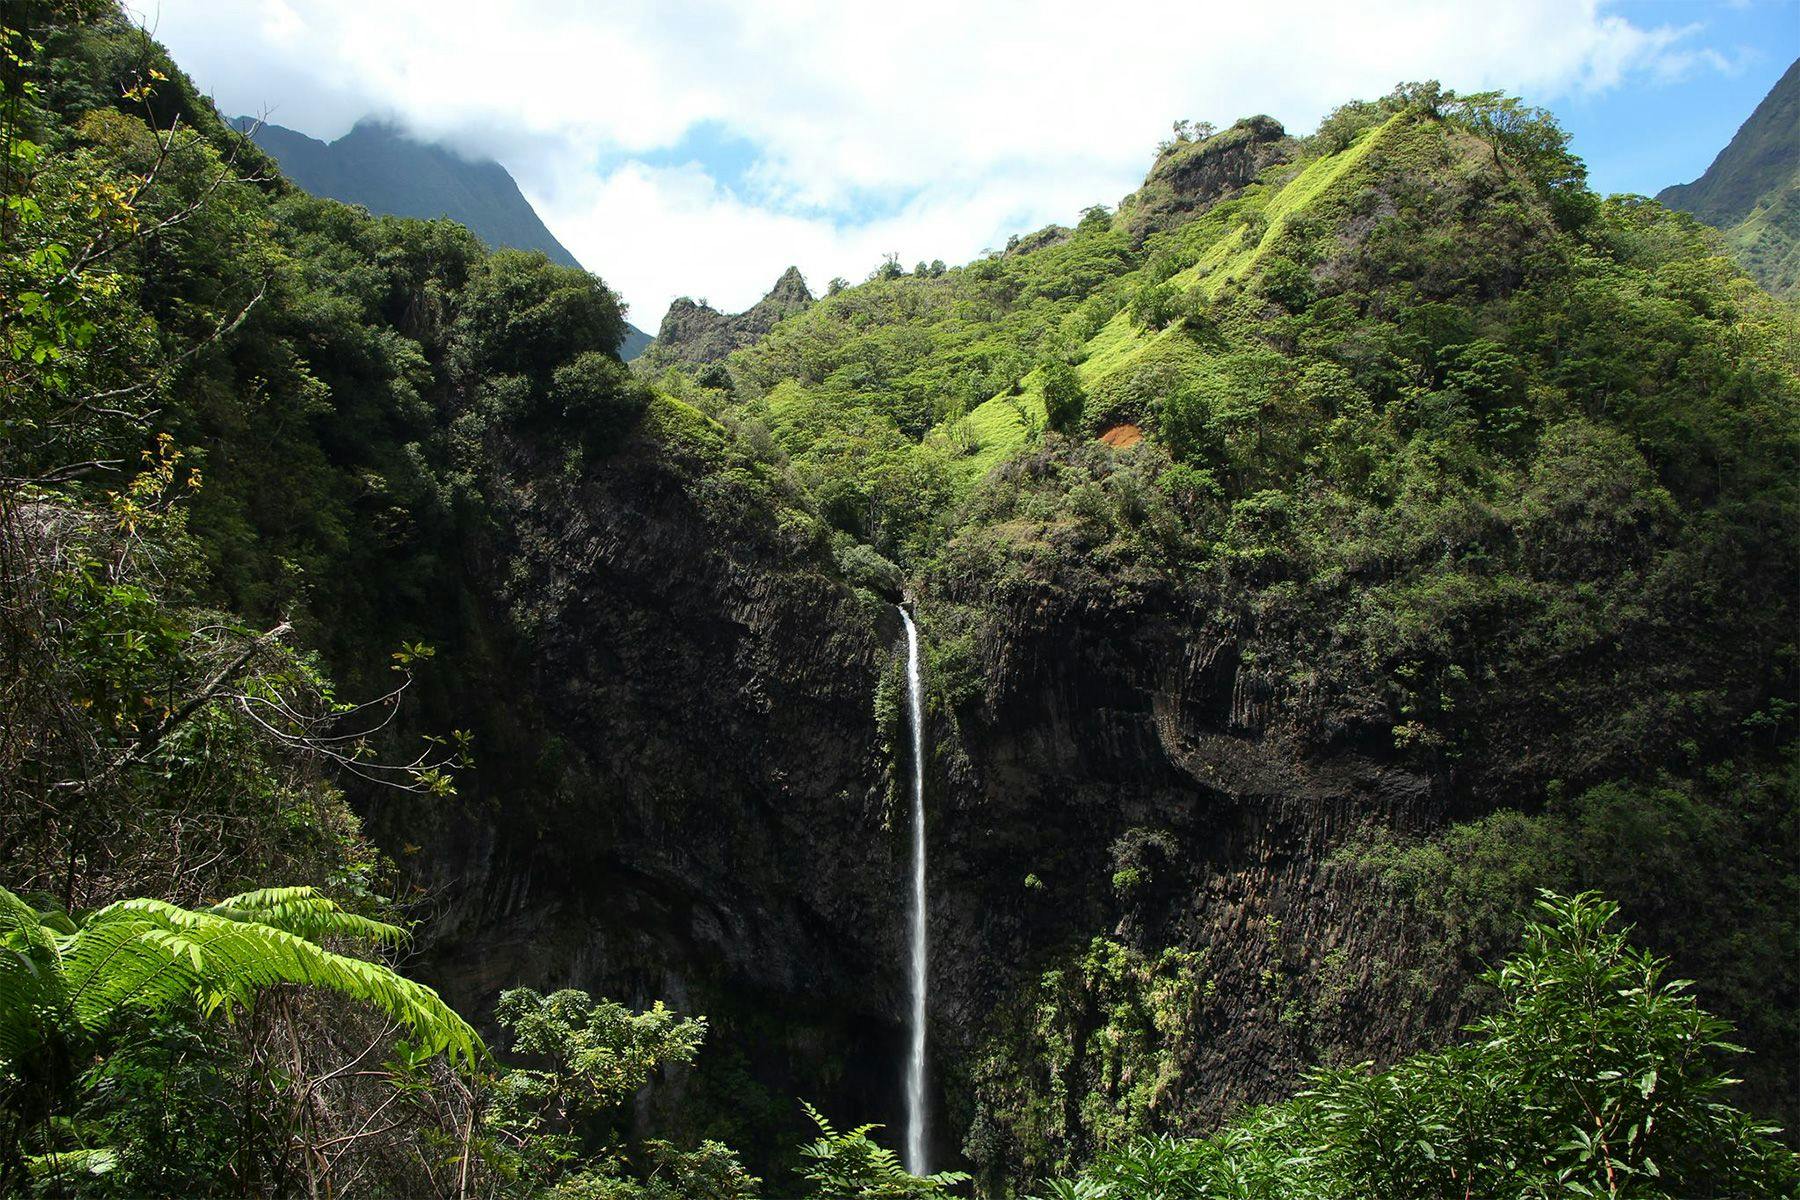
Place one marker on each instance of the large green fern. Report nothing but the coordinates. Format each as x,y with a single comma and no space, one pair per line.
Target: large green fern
61,980
852,1164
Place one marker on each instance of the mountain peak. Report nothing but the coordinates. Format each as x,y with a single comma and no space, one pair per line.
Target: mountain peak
1760,154
695,332
790,294
791,284
1752,189
1189,177
388,169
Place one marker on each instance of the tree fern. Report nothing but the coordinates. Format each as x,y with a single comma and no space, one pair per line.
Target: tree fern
306,913
854,1165
151,956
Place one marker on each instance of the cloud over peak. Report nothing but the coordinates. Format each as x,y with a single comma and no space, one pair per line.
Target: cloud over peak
835,133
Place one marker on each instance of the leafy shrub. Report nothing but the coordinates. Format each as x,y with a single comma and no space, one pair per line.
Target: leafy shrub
1064,399
597,395
1596,1076
853,1166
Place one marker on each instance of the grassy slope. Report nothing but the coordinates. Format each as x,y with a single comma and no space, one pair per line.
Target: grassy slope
1002,425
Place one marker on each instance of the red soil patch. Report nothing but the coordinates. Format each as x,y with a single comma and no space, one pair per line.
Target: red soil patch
1122,437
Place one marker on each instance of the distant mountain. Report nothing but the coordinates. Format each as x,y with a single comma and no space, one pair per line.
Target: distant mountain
695,332
1752,190
379,166
635,343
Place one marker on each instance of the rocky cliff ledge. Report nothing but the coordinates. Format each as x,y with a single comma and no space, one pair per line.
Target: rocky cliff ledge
695,332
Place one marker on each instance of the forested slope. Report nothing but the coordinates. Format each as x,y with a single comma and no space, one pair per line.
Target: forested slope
1439,547
1456,559
380,167
320,523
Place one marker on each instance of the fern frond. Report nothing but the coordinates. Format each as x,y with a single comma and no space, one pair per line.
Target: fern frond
22,923
303,911
64,1163
819,1119
32,996
152,955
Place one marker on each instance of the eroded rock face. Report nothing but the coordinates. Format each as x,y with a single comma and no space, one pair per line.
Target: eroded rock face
695,332
1117,781
692,803
1191,177
698,809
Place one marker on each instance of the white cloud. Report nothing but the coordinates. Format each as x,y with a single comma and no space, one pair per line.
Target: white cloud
930,128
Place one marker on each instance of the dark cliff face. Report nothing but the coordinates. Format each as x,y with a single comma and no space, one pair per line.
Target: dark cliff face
707,817
1117,737
691,801
702,810
698,333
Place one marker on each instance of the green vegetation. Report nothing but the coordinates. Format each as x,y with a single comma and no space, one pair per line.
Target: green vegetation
551,1123
246,432
1464,462
1752,189
1448,468
1594,1076
850,1165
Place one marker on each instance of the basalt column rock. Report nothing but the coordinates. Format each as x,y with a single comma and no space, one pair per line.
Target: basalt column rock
691,804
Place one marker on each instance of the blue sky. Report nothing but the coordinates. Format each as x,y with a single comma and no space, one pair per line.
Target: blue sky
1659,131
699,147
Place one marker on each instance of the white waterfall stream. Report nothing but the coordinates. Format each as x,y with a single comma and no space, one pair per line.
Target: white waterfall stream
915,1060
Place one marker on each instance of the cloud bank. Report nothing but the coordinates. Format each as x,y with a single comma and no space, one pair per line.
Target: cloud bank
690,148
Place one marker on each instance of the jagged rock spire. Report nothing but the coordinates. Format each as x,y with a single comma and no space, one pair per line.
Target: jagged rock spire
699,333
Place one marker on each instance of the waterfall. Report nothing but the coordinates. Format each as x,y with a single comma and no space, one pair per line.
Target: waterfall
915,1060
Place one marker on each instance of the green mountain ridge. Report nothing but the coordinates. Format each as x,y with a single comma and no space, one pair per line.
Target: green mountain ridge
1752,189
1375,437
386,170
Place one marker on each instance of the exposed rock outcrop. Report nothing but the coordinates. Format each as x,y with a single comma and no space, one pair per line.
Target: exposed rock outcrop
1112,732
691,802
1190,177
695,332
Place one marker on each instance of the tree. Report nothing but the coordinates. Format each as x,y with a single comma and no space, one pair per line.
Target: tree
587,1057
597,395
521,313
1064,399
1155,305
1347,122
1533,140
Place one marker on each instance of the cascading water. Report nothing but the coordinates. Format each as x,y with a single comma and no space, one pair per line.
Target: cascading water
915,1061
